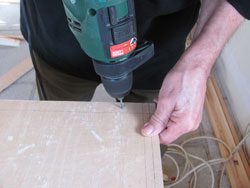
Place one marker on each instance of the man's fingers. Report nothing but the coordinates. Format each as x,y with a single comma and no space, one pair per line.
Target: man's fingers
171,133
174,131
158,121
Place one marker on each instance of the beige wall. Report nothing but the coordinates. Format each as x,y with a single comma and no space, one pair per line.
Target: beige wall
232,71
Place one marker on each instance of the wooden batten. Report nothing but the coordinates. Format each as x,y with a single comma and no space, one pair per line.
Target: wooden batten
237,169
15,73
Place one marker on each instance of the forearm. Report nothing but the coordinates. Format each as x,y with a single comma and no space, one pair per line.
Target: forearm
217,23
207,9
181,97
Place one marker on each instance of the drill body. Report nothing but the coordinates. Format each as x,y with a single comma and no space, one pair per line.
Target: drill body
106,31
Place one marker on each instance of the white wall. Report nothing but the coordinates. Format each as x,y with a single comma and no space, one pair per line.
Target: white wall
232,71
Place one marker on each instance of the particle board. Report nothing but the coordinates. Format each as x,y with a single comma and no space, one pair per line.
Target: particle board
77,144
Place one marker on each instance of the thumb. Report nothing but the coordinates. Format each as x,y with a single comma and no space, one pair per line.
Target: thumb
170,134
158,121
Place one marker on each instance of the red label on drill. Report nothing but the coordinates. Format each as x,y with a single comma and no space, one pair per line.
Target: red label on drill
123,49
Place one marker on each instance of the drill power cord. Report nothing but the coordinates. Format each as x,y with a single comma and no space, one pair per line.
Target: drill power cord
189,167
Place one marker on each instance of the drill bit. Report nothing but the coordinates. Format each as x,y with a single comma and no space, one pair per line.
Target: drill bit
121,102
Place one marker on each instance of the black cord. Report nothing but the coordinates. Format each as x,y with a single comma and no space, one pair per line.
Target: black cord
26,21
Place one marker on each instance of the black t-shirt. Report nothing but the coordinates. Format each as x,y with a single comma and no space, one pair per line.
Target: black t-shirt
165,22
243,7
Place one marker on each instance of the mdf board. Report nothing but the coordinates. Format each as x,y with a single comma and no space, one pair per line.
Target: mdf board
77,144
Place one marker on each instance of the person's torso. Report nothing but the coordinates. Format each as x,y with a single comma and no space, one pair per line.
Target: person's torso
54,42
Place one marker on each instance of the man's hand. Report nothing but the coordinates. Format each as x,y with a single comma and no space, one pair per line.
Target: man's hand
181,98
180,103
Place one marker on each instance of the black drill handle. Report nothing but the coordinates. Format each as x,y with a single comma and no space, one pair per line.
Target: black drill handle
141,55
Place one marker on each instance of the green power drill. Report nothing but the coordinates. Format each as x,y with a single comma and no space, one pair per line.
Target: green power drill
106,31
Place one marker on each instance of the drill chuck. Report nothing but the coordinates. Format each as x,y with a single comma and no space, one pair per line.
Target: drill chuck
117,78
118,87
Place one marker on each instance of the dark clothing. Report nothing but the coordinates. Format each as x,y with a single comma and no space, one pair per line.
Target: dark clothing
165,22
243,7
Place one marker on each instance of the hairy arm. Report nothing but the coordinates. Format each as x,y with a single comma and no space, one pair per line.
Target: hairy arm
181,98
217,23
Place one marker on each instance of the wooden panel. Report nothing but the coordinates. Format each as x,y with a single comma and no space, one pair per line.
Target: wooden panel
237,169
77,144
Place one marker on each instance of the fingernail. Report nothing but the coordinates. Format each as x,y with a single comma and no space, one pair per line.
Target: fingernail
148,130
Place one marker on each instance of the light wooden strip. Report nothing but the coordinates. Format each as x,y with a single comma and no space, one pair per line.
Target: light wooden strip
9,42
235,169
231,125
15,73
16,37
